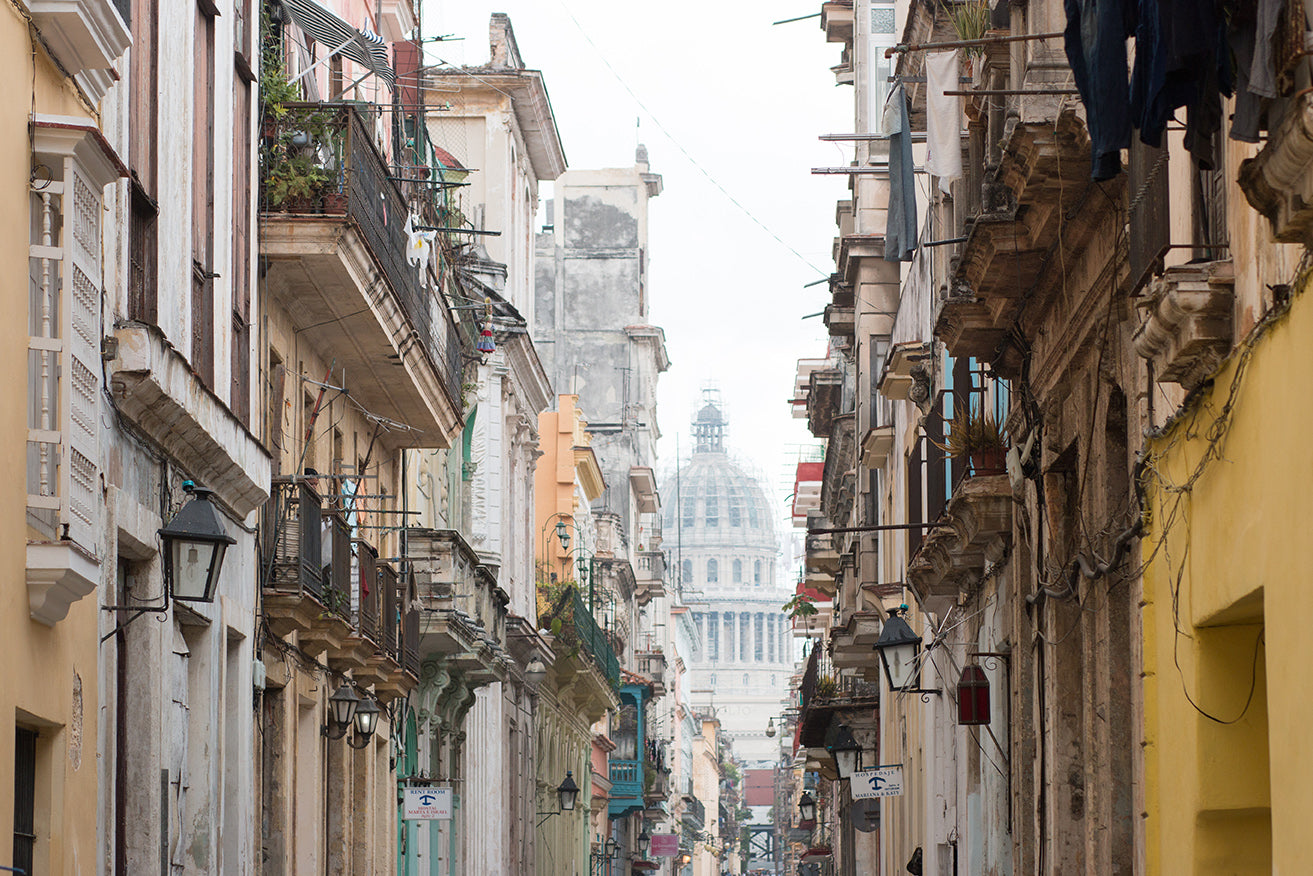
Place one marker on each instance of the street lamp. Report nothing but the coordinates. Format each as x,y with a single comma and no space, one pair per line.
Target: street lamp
194,543
568,792
342,707
563,535
611,847
770,729
846,752
899,647
644,840
807,807
366,722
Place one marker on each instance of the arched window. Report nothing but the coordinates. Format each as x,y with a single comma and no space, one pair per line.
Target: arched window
745,679
738,571
688,572
713,571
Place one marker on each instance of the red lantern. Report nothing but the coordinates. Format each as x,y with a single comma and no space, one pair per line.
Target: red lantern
973,696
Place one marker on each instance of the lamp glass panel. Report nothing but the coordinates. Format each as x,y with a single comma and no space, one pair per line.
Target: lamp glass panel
366,718
342,706
900,665
846,762
192,561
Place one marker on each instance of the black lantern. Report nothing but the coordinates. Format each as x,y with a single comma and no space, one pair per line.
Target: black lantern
644,840
342,707
366,722
611,847
899,647
568,792
846,752
973,696
770,728
807,807
194,544
563,535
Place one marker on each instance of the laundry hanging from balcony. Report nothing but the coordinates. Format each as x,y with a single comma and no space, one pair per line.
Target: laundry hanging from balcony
943,118
900,229
365,47
1182,59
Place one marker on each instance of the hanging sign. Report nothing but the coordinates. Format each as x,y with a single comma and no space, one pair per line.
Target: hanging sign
664,845
884,781
427,804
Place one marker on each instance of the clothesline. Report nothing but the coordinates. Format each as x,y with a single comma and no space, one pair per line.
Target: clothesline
964,44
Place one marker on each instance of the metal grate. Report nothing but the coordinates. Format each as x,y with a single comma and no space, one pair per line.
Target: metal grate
24,799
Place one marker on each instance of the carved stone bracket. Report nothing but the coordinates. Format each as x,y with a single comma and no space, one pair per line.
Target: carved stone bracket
1187,329
953,557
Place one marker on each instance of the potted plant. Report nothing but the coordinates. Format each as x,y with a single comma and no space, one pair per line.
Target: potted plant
978,438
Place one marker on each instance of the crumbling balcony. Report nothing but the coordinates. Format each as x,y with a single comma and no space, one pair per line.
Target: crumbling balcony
1187,330
824,691
825,388
334,245
462,609
651,664
975,531
853,643
649,576
1044,209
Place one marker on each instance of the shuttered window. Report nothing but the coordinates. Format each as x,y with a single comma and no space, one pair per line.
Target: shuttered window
24,799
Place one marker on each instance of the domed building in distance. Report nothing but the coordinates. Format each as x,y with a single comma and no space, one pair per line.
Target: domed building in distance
720,533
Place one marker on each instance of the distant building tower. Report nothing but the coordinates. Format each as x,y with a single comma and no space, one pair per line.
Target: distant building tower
720,534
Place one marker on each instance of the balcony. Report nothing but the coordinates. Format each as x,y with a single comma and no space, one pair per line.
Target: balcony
824,389
1045,210
629,733
86,37
330,590
953,557
463,613
649,576
1187,331
694,816
333,228
585,672
824,692
651,664
853,643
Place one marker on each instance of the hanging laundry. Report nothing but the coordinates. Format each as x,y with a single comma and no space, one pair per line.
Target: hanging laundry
1250,33
943,118
1181,60
900,230
1095,40
418,244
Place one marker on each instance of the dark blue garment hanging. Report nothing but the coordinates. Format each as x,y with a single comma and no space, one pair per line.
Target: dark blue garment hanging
900,224
1095,40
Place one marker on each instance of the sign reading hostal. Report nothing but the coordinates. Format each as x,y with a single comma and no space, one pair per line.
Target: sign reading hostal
884,781
664,845
427,804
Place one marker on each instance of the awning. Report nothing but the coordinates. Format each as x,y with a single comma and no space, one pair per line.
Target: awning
324,26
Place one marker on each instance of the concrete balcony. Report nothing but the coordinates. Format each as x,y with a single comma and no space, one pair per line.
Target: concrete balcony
825,386
1278,182
1187,330
1007,265
837,21
853,643
85,36
953,557
337,264
876,446
652,666
463,613
901,370
649,576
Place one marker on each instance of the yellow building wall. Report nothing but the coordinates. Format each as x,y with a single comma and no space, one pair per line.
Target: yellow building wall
1227,584
50,678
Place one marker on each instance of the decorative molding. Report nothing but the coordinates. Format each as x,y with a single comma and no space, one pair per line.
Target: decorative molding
58,575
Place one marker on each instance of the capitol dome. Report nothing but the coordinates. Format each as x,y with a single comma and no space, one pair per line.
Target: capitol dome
721,541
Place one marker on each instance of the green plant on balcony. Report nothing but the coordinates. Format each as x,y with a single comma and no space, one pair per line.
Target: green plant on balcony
971,22
979,438
827,687
801,605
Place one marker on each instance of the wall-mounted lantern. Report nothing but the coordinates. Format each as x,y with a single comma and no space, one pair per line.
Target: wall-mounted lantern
807,807
973,695
846,752
194,543
900,649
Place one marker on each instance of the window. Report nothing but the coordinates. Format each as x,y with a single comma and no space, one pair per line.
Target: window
690,510
735,507
756,573
24,798
738,571
713,506
713,636
713,571
202,253
745,679
729,636
759,638
745,633
688,572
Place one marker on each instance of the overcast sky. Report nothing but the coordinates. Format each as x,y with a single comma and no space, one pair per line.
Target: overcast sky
747,101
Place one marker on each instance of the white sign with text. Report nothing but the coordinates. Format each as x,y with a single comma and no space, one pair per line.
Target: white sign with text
427,804
885,781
